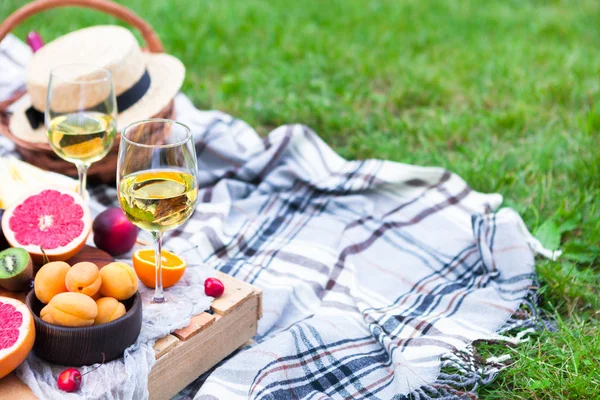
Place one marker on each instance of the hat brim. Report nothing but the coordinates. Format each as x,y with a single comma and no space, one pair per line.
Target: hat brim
166,74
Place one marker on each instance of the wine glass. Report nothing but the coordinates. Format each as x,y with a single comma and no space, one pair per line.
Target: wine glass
157,180
81,116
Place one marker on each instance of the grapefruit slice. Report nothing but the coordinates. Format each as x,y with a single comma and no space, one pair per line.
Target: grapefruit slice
54,219
17,334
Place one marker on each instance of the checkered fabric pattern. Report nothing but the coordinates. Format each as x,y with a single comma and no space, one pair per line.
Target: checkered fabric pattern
377,276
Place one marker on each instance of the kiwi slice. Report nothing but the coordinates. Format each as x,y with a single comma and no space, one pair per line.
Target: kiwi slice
16,269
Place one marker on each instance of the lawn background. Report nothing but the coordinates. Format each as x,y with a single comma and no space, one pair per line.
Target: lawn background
504,93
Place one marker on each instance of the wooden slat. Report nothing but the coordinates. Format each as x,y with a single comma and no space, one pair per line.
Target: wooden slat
259,308
180,366
197,324
164,345
235,293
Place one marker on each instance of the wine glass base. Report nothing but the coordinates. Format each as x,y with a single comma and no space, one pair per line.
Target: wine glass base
158,300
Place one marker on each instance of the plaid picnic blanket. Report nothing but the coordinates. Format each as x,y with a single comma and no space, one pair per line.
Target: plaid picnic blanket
377,276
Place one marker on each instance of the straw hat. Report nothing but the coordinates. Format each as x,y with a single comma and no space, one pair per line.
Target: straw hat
144,83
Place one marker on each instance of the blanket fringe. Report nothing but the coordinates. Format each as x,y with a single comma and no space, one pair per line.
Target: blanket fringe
463,372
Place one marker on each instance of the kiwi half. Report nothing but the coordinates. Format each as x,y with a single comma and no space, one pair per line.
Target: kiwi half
16,269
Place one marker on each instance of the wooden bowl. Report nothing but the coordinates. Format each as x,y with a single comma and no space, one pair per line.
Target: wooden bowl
77,346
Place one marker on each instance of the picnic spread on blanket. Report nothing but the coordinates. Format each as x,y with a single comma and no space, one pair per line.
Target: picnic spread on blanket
354,279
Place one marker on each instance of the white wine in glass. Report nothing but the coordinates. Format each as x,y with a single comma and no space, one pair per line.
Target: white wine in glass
84,137
159,200
81,116
157,180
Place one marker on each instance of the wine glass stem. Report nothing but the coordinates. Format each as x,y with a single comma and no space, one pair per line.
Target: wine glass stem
158,291
82,172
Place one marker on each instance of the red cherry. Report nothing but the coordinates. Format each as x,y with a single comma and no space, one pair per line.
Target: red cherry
69,380
213,287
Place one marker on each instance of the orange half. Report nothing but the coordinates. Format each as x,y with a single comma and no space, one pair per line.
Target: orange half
173,267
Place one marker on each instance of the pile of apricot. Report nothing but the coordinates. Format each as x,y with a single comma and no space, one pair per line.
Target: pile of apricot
84,295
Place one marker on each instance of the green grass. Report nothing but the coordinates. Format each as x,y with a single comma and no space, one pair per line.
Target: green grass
504,93
561,365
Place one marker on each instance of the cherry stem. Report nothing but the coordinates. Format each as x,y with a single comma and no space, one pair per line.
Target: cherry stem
46,259
93,369
191,248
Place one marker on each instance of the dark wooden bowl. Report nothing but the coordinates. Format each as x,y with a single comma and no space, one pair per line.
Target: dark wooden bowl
84,345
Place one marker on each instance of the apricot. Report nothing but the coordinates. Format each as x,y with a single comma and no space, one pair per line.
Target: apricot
109,309
50,280
83,277
47,317
70,309
118,280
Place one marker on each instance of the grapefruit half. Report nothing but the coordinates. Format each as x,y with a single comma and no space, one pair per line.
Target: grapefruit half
54,219
17,334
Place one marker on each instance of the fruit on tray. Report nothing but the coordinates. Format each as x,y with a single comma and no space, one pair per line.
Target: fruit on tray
113,232
17,334
70,309
109,309
173,267
118,280
16,269
213,287
83,277
50,280
19,177
52,218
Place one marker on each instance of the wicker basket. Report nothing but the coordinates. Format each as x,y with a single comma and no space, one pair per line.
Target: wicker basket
40,154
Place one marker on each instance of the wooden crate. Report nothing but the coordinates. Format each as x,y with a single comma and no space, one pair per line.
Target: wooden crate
189,352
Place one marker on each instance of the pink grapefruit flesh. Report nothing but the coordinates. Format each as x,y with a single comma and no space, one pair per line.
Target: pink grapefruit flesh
54,219
17,334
